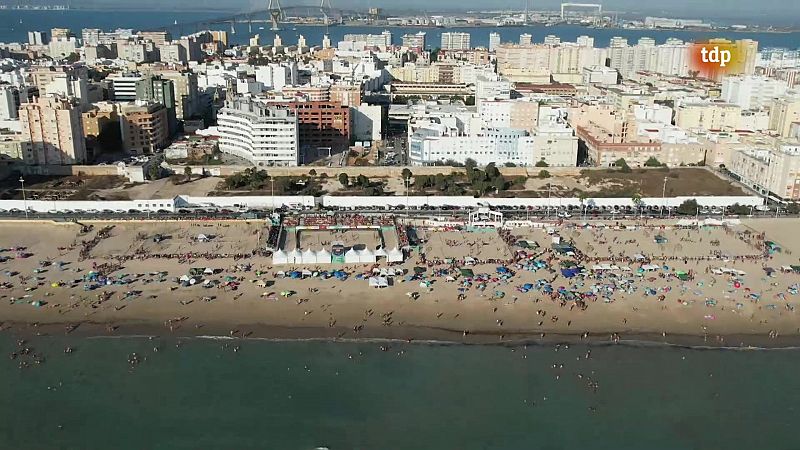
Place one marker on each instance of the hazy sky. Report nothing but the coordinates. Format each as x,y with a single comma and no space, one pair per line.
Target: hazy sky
786,11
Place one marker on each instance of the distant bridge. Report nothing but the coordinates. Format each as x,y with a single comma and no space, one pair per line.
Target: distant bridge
325,13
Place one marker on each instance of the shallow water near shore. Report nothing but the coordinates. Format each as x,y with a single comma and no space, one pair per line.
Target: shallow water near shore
206,393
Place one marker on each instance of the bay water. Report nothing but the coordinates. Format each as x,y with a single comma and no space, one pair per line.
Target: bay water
14,25
212,394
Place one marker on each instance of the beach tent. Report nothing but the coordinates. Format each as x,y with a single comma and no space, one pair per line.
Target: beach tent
378,282
563,249
351,257
323,257
366,256
280,257
208,271
306,274
309,257
202,238
395,255
381,253
469,273
295,257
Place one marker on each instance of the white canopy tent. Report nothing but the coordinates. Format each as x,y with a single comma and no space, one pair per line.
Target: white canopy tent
295,257
280,257
366,256
395,255
323,257
309,257
378,282
381,253
351,257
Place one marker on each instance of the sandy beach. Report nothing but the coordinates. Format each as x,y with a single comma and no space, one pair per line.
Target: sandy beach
46,286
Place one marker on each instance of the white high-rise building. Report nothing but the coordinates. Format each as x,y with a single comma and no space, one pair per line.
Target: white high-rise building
752,91
414,40
552,39
525,39
617,41
382,41
456,41
494,41
123,86
494,88
277,76
585,41
8,102
37,38
263,134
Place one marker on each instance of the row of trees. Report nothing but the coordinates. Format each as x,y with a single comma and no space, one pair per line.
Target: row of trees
254,179
363,182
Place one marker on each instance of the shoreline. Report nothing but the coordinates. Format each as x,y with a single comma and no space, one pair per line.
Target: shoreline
424,335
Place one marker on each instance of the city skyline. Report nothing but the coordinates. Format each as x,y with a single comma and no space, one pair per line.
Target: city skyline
728,9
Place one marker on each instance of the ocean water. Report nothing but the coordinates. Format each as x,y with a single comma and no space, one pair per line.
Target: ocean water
14,26
301,395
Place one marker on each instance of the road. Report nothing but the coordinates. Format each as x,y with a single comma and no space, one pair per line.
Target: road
509,214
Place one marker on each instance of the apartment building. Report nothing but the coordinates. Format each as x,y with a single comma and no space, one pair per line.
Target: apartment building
772,170
266,135
52,132
322,124
145,127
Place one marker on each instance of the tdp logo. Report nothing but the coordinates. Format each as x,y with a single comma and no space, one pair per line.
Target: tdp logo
715,55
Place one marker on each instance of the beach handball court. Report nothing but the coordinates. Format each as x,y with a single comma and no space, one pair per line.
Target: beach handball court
227,237
459,244
350,238
650,242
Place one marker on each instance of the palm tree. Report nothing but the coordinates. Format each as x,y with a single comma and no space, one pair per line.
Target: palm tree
187,171
636,199
582,196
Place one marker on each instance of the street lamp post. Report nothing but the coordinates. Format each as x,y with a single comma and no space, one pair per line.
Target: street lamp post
272,189
407,184
664,197
24,199
697,217
549,196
